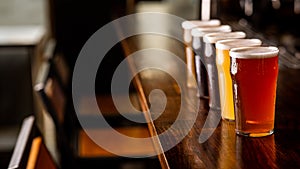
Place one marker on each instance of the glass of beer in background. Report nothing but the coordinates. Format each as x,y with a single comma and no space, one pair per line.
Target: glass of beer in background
209,58
198,47
254,72
223,66
187,27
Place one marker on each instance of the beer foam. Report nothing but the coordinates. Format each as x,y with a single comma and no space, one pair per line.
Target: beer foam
190,24
201,31
234,43
214,37
254,52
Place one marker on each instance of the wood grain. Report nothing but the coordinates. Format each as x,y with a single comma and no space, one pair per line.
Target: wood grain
224,149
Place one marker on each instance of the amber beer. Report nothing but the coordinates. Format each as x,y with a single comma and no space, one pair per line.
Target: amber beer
254,72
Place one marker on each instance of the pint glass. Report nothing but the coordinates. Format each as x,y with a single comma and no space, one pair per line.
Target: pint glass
187,27
254,72
198,46
209,58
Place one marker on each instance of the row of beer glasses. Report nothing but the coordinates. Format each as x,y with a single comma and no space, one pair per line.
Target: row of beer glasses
237,74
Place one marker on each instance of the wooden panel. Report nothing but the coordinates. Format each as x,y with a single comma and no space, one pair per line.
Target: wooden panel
88,148
39,157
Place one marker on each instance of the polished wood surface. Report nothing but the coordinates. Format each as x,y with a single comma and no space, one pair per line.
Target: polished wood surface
224,149
88,148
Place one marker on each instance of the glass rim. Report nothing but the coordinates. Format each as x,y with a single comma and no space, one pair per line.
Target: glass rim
201,31
228,44
190,24
216,36
254,52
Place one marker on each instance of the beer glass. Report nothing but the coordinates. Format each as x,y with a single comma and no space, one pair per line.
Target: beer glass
223,66
187,26
198,46
209,57
254,72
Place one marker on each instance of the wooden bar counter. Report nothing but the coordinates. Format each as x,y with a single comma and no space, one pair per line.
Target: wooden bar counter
223,149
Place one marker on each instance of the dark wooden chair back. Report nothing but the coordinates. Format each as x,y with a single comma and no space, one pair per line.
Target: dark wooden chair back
51,93
53,96
30,151
39,157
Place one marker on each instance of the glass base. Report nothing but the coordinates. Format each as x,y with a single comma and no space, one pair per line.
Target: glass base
202,97
247,134
215,108
227,119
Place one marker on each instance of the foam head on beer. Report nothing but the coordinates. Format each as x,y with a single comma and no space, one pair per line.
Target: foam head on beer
188,25
228,44
198,33
216,36
254,52
201,31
